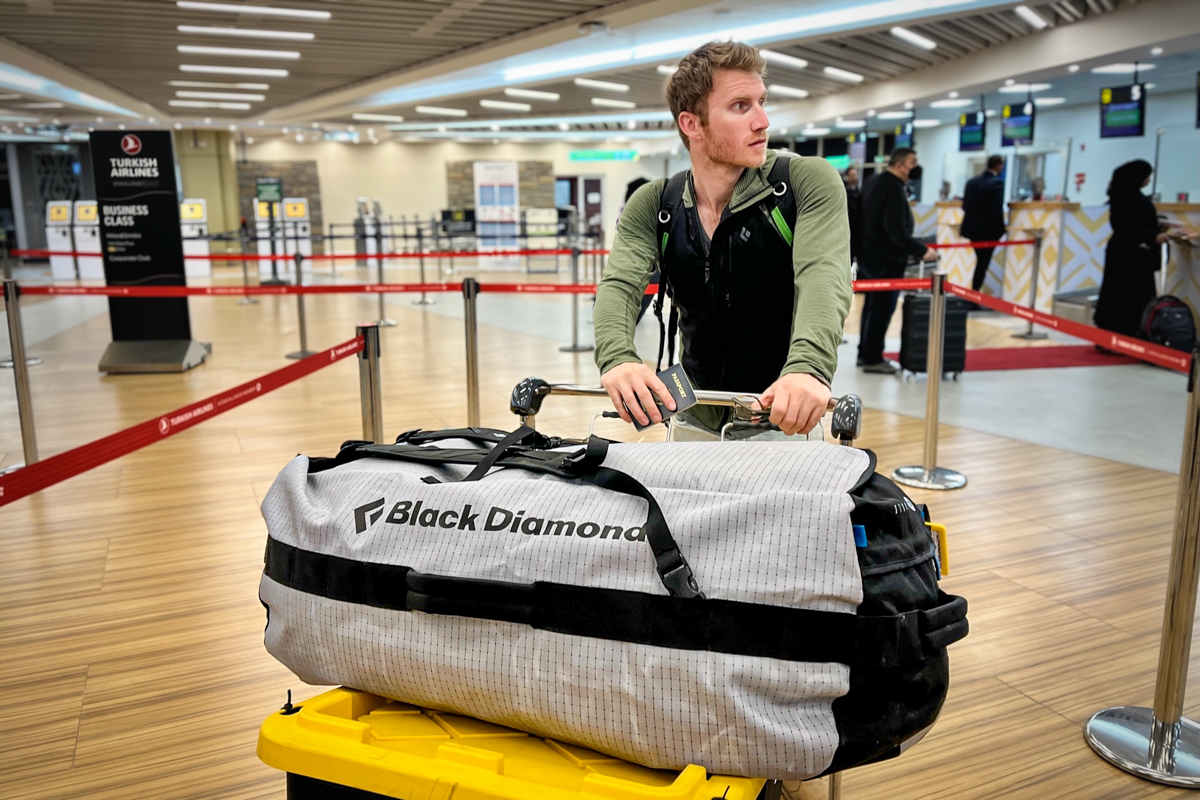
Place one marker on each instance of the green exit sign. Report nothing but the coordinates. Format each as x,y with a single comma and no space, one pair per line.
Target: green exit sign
604,155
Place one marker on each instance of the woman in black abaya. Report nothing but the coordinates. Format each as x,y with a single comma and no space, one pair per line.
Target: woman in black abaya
1134,251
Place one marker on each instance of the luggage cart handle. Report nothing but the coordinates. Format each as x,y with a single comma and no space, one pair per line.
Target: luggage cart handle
527,397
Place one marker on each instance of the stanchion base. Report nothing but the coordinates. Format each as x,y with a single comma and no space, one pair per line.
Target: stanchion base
11,468
29,362
274,282
245,301
577,348
936,479
1030,335
386,323
424,301
301,354
1121,736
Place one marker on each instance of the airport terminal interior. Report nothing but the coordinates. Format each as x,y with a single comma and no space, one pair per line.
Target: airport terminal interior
445,178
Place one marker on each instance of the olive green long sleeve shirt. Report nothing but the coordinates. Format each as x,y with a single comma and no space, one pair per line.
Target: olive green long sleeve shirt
820,258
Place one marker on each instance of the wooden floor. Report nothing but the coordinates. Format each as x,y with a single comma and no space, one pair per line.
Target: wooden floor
131,657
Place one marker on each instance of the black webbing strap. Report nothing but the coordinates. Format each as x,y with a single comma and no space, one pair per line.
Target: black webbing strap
499,451
669,204
720,626
489,436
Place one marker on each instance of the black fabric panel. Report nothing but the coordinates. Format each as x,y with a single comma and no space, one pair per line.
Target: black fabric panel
342,579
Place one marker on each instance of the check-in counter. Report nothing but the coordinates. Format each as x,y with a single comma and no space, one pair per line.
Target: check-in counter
1183,256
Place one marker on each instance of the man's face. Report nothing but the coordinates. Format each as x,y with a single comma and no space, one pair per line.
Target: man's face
852,176
906,166
735,132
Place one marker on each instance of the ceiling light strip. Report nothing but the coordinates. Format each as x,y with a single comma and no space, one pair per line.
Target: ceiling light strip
438,111
258,72
913,38
502,105
266,11
247,33
604,86
377,117
237,52
783,59
207,85
786,91
218,95
606,102
533,94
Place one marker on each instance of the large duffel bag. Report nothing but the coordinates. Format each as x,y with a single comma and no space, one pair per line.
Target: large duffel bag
664,603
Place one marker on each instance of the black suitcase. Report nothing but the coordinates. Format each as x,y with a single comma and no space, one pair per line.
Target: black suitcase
914,335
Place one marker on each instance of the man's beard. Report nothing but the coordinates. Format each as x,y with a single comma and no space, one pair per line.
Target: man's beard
726,152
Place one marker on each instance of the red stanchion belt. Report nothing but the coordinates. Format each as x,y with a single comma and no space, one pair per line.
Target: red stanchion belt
201,291
1125,345
330,257
35,477
991,245
892,284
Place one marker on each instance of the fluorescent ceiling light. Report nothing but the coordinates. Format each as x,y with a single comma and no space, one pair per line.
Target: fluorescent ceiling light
916,39
663,69
1030,16
1156,51
248,33
502,105
1148,86
908,103
568,65
534,122
604,86
783,59
894,115
1024,88
852,124
237,52
1073,68
564,126
951,103
607,103
257,72
377,117
843,75
1049,101
256,10
219,95
1122,69
262,87
815,131
786,91
532,94
204,104
925,123
438,111
8,118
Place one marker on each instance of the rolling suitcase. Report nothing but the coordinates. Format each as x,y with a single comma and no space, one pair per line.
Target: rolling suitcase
914,334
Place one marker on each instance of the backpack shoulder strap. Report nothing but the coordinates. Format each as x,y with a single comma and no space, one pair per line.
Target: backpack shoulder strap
670,203
781,206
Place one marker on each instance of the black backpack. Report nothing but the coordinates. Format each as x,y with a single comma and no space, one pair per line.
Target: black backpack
1168,321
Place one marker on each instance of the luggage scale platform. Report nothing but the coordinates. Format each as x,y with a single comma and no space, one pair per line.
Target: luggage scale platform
351,745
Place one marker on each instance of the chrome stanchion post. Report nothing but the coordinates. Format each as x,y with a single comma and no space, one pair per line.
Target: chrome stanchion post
244,300
575,346
16,338
301,317
1160,744
928,475
423,300
384,319
835,786
1034,274
470,289
369,387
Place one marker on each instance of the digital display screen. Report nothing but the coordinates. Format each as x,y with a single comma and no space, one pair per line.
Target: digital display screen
972,131
904,136
60,213
1016,124
1123,111
188,211
85,213
295,210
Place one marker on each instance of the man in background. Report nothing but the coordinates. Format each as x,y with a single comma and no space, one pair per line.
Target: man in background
854,209
983,215
887,243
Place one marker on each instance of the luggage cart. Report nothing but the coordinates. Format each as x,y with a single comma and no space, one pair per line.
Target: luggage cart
845,425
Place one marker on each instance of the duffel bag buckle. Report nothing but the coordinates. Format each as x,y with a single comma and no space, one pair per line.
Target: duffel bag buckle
680,581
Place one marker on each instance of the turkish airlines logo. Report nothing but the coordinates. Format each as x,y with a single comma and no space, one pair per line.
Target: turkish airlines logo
131,144
164,426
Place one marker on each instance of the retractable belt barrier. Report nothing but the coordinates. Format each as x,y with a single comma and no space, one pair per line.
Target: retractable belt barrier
336,256
34,477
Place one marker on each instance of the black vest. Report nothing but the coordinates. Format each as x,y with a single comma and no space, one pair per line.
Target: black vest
735,302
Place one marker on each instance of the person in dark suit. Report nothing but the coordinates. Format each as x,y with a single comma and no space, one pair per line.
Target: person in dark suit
854,209
887,243
1134,251
983,215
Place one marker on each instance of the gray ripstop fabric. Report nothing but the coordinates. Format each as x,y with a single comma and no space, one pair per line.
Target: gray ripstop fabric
758,522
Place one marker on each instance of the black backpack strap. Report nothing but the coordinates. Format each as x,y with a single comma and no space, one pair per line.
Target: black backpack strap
670,203
780,207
